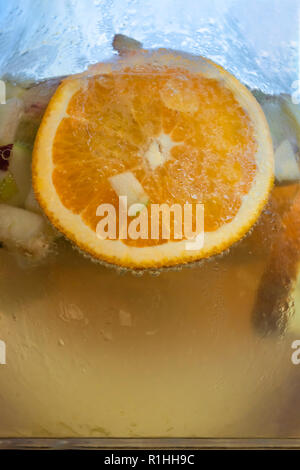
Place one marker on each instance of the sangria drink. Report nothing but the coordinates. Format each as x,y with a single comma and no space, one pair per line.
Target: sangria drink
99,340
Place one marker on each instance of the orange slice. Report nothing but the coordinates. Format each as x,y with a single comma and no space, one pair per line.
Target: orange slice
175,129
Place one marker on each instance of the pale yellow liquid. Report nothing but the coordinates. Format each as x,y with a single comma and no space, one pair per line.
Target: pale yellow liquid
92,353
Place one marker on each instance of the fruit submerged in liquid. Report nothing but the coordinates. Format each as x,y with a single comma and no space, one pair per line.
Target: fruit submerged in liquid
92,353
179,129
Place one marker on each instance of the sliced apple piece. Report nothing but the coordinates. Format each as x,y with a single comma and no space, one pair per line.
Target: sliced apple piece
10,115
293,110
126,184
25,232
283,122
286,166
13,90
280,124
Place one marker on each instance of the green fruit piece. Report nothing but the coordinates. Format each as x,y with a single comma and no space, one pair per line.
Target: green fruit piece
13,90
20,167
8,187
27,130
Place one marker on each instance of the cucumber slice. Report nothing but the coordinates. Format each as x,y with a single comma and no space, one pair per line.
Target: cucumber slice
8,187
10,114
20,167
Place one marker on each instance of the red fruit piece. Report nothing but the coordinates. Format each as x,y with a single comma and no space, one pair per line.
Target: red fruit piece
5,152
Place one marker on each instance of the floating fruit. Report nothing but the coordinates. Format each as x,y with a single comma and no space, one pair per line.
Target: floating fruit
20,168
8,187
184,128
10,115
24,231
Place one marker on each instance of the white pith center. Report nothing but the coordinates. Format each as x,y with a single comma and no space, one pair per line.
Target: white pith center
158,151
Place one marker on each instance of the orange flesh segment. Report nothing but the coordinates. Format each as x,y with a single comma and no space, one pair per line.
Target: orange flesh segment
113,119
